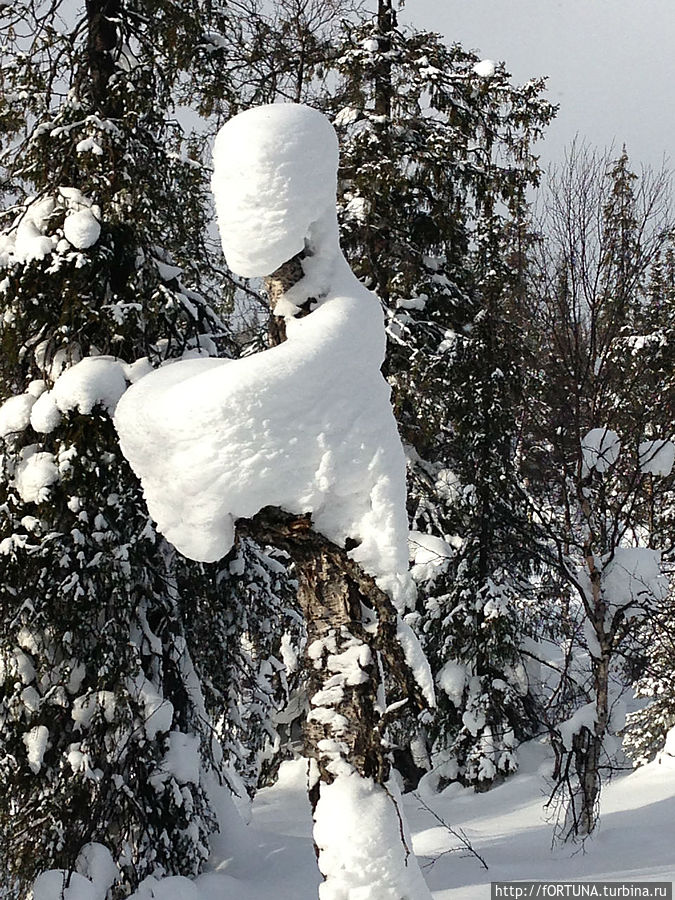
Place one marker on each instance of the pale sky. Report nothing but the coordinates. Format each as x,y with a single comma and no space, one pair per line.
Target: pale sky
611,63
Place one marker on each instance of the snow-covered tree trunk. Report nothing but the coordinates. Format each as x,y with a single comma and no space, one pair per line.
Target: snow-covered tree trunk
298,445
351,643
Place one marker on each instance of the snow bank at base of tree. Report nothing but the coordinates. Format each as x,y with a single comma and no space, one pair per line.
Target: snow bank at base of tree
507,825
357,826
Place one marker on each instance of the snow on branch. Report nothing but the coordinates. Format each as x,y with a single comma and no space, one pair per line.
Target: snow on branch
306,426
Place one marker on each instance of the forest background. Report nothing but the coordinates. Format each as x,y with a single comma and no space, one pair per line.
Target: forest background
530,354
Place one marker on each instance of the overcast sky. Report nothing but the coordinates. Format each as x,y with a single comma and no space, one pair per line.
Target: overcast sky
610,63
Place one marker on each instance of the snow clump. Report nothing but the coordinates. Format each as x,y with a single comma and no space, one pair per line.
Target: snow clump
15,414
36,741
430,556
306,426
260,159
656,457
82,229
34,474
452,680
29,242
600,449
95,380
94,875
356,857
486,68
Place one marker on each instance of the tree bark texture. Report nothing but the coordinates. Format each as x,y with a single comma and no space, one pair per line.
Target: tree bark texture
354,666
103,19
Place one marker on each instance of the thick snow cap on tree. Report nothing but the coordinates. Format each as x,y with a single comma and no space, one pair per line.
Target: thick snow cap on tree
275,174
306,426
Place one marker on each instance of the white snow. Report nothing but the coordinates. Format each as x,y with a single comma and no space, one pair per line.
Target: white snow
600,449
347,116
633,581
452,679
260,159
667,755
15,414
89,145
176,887
87,705
182,758
82,229
430,556
656,457
36,388
95,874
306,426
507,825
486,68
357,208
36,741
584,717
370,45
34,474
356,825
158,711
29,242
416,660
56,884
95,863
23,666
93,380
45,415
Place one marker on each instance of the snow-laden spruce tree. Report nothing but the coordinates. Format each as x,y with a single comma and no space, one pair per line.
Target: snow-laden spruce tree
104,738
651,347
299,442
436,166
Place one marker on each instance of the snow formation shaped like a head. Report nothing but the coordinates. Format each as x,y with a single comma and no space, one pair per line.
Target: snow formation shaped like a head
274,177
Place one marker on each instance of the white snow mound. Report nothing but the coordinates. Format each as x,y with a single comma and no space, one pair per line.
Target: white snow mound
15,414
82,229
34,474
486,68
274,174
306,426
95,379
600,449
356,827
657,457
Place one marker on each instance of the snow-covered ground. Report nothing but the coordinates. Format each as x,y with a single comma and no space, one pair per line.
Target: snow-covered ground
507,826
